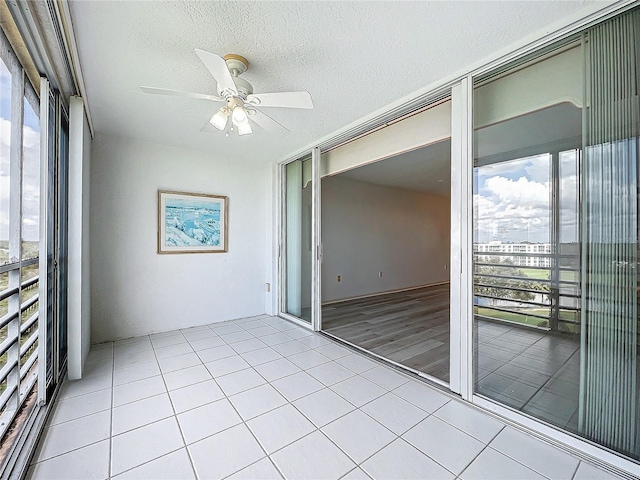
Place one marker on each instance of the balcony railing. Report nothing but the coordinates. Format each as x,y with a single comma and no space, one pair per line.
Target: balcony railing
540,290
18,338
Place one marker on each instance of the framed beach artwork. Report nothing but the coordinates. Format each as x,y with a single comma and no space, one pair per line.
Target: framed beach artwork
192,222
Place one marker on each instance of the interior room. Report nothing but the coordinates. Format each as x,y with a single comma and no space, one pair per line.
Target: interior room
330,239
385,228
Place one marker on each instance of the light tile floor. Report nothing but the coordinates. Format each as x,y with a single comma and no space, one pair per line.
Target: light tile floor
262,398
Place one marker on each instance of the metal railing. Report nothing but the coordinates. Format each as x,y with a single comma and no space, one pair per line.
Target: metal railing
546,296
18,341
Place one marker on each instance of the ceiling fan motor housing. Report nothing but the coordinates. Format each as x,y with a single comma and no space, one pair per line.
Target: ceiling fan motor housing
237,65
244,87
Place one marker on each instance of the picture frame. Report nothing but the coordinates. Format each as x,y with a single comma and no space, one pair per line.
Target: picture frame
192,222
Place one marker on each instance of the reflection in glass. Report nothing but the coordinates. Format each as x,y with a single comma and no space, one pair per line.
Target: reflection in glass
526,260
30,183
62,221
4,304
298,204
5,148
556,238
512,241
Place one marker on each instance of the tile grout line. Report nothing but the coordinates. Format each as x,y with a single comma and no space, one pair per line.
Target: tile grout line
575,472
467,433
70,451
430,457
307,417
290,402
175,414
518,461
141,426
48,427
357,467
486,445
387,390
80,416
113,374
146,463
319,429
382,424
244,422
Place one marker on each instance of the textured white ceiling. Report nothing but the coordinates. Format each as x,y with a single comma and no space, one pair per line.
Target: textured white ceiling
354,58
426,170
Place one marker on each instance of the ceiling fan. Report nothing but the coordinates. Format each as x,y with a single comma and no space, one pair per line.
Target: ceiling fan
241,104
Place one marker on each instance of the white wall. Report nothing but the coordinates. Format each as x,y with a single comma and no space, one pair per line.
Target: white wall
79,286
135,291
369,228
271,244
86,239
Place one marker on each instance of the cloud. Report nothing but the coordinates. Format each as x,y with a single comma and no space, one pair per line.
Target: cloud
512,202
30,180
518,193
538,168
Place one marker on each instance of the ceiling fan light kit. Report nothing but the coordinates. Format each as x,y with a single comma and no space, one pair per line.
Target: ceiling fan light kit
238,95
219,119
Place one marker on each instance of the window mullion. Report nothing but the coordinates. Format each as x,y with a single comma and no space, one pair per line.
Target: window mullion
15,233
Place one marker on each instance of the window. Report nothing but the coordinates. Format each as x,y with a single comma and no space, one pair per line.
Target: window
19,245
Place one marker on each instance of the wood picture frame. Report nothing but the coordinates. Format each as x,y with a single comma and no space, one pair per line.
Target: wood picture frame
192,222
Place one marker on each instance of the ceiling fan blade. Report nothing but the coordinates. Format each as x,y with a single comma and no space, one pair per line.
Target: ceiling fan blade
282,99
180,93
218,68
266,122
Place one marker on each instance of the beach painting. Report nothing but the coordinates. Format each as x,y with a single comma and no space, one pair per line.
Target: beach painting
191,222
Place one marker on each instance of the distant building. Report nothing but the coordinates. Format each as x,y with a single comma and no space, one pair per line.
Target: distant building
539,259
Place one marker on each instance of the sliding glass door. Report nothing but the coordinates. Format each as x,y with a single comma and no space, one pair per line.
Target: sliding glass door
62,239
299,239
555,236
53,251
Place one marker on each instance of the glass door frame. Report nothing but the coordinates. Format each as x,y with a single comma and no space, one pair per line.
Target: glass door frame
316,246
51,164
61,215
461,277
462,314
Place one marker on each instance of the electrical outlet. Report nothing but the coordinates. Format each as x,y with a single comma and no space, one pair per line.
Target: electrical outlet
339,278
380,274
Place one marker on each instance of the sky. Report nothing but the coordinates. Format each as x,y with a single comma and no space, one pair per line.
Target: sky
31,165
512,200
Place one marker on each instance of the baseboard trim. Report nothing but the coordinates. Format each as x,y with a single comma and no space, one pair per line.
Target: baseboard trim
386,292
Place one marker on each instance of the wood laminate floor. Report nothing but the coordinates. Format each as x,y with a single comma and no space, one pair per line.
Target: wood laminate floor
410,328
530,370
